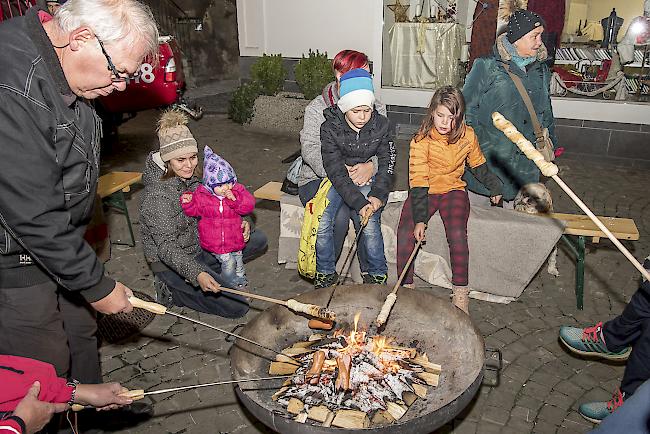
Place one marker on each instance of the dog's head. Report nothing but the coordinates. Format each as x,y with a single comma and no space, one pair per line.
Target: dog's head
534,199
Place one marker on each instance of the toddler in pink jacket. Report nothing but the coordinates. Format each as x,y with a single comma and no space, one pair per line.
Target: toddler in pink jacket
219,202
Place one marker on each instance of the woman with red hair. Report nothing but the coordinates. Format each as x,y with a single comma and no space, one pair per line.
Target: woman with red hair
312,171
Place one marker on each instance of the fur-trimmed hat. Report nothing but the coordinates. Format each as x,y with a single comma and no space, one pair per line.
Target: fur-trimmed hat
216,170
521,22
355,90
174,136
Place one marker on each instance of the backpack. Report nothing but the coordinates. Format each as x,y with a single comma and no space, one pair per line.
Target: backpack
313,213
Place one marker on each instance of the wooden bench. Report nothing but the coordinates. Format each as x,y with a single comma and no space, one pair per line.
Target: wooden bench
269,191
582,227
111,188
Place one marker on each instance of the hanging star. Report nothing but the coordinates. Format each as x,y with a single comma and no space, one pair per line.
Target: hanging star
400,11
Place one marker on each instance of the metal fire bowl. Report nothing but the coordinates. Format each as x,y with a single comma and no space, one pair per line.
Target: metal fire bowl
444,332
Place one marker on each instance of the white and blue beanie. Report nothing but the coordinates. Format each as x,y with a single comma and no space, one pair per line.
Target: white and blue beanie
355,90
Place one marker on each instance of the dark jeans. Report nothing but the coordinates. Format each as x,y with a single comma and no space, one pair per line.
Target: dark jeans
341,222
632,327
221,304
52,325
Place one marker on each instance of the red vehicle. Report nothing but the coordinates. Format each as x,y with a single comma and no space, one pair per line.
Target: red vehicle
155,87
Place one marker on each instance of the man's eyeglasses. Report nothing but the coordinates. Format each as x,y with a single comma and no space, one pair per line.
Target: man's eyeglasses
118,77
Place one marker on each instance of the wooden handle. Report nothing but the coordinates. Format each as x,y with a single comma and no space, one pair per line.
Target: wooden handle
133,394
546,167
602,227
152,307
311,309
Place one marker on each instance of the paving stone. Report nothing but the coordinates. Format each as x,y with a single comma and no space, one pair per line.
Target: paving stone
520,425
464,427
544,378
486,427
569,388
518,372
543,427
109,365
560,400
551,414
529,402
536,390
497,415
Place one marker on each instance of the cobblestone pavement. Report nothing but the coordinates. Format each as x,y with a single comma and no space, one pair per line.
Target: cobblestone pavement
541,384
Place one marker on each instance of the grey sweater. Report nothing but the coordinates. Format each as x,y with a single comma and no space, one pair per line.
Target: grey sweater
169,237
312,167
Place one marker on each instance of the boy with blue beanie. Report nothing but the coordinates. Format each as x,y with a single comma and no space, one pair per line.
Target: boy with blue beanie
353,132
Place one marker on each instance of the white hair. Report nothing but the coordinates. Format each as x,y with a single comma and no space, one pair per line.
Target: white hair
112,21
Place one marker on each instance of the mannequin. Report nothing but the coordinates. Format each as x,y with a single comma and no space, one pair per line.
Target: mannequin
611,26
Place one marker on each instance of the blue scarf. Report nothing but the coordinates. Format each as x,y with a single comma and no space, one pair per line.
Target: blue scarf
521,62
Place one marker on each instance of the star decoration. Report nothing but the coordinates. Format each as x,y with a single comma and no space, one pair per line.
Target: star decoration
400,11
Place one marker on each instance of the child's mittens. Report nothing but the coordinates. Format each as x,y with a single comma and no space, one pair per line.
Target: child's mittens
186,198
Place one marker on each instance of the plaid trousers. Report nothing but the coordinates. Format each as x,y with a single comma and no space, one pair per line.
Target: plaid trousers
454,210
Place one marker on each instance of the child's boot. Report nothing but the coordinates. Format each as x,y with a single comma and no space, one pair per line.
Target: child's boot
374,279
460,298
322,280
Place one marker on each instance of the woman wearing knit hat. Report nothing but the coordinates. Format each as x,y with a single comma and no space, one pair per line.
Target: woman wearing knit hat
312,171
185,275
219,204
489,87
354,133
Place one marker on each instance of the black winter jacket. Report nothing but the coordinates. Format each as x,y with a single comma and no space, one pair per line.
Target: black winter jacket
341,146
49,165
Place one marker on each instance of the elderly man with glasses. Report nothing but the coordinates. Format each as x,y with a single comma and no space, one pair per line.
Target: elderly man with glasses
51,282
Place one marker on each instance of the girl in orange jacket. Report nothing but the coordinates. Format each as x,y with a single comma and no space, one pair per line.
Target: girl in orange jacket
441,148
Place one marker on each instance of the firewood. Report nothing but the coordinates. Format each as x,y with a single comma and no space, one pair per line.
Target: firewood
351,419
382,418
277,394
287,382
429,378
410,351
409,398
316,337
291,351
396,410
432,368
419,389
295,406
329,420
281,368
320,413
301,418
284,359
303,344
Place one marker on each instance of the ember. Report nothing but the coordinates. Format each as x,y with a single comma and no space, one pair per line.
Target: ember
349,380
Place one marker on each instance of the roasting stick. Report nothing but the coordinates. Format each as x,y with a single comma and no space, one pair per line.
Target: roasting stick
327,325
392,297
137,394
159,309
296,306
549,169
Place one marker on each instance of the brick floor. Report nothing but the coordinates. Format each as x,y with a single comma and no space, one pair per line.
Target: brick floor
542,384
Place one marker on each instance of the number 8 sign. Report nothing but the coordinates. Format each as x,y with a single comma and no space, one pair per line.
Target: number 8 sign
146,74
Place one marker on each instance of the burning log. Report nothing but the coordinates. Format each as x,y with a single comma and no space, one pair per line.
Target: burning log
351,419
343,379
279,393
423,361
317,365
291,351
301,418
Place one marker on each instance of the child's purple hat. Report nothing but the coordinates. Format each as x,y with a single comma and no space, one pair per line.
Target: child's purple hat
216,170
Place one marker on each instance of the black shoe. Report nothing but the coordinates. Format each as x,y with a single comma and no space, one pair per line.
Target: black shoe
163,293
323,280
371,279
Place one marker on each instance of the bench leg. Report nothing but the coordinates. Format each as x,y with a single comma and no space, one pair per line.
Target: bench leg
578,249
117,200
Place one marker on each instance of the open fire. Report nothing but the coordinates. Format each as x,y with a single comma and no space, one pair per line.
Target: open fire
352,380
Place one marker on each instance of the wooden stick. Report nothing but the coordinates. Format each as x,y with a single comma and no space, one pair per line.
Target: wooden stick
392,297
551,170
296,306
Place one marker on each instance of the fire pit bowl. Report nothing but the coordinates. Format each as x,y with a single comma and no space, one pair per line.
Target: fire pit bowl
442,331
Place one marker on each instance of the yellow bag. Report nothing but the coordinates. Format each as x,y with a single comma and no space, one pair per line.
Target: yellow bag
313,212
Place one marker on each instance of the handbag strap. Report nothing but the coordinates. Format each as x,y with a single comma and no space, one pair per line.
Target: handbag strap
529,104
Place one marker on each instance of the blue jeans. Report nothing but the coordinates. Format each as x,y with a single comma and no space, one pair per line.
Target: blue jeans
232,269
341,223
371,241
221,304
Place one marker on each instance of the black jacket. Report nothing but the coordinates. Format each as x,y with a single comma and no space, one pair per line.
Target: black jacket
49,165
341,146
